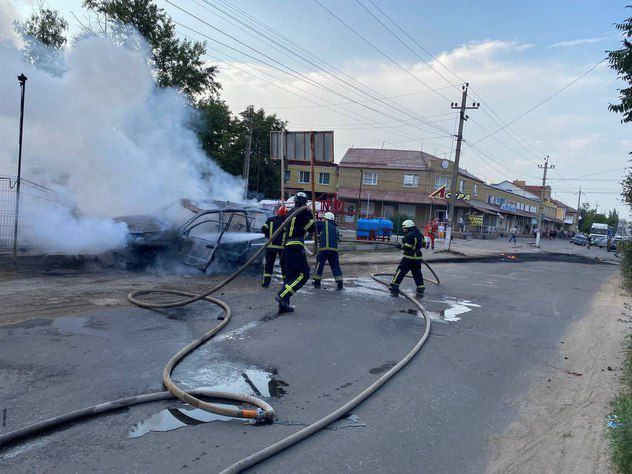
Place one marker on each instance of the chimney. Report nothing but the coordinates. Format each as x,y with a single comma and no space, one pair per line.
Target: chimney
520,184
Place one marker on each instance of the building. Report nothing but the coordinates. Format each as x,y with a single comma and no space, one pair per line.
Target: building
298,178
383,182
411,183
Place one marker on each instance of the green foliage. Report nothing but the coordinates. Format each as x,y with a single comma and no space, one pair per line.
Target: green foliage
397,220
43,34
621,61
178,63
223,138
613,219
621,436
589,216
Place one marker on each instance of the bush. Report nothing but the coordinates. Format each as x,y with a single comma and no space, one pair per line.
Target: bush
621,436
397,220
626,265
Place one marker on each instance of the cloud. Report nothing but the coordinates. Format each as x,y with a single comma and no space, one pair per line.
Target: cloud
578,42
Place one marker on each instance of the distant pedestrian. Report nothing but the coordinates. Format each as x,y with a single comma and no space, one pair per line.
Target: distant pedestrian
588,241
512,234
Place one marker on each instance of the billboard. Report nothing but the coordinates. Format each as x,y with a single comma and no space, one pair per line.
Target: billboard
298,148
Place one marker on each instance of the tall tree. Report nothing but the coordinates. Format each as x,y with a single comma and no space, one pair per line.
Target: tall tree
613,219
265,173
178,63
43,35
220,134
621,61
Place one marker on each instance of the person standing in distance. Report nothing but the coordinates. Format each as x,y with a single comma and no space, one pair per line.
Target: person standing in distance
276,246
328,250
294,262
411,260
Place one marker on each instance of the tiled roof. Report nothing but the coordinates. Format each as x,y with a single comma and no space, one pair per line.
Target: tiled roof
561,204
393,159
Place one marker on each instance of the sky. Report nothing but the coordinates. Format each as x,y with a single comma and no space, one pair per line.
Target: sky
331,65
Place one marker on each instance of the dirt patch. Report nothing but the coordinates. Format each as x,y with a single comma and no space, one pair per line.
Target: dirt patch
561,426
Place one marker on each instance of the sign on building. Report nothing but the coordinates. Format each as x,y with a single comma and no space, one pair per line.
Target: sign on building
297,146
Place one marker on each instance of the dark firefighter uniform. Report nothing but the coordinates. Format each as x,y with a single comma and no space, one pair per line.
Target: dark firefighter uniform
274,249
327,252
411,262
294,263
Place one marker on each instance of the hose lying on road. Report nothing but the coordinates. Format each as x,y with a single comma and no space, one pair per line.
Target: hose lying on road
264,410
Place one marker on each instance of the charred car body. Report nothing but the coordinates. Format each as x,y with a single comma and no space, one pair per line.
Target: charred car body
209,235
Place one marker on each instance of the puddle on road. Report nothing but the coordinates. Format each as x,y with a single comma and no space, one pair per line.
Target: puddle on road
174,418
70,325
23,448
251,381
456,307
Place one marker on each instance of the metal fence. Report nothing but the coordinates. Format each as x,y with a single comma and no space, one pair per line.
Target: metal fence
31,195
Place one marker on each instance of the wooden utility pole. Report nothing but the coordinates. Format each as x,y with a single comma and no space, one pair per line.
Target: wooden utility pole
246,170
544,167
359,197
312,172
283,157
579,200
22,80
455,172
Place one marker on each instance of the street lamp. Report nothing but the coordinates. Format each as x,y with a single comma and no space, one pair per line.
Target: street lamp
22,80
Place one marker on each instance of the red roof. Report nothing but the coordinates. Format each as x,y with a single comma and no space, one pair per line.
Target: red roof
561,204
380,158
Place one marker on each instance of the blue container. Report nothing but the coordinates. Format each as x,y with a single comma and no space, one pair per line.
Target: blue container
364,227
384,228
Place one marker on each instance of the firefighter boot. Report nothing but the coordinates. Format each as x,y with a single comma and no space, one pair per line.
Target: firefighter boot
284,305
420,292
394,291
266,282
316,283
339,285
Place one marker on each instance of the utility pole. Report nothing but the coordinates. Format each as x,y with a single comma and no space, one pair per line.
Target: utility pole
283,157
22,80
359,197
246,170
579,200
455,172
546,166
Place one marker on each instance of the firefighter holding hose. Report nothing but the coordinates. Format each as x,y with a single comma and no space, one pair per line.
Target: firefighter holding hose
328,250
411,260
295,264
275,249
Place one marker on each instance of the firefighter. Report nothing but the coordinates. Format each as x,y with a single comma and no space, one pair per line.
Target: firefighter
411,260
295,264
276,246
327,250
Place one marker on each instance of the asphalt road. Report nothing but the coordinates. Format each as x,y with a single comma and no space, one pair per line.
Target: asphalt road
437,415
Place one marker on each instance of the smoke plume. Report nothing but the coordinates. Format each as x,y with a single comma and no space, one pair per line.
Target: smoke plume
100,132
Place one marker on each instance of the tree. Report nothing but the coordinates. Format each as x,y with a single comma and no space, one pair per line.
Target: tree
613,219
44,36
588,216
178,63
265,173
621,61
219,134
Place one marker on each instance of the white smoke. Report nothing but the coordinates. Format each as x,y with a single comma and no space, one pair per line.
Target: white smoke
101,131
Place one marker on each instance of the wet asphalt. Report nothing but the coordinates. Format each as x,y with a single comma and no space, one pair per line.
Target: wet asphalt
496,325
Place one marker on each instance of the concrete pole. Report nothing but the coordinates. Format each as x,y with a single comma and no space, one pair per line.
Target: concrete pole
247,151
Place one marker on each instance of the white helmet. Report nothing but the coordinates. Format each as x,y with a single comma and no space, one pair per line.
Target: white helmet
301,194
330,216
407,224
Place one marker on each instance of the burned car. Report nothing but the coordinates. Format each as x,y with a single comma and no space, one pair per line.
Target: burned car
212,236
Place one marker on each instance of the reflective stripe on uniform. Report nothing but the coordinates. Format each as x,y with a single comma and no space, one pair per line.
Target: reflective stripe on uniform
309,224
329,248
338,278
326,234
290,288
277,247
412,257
294,242
395,278
291,232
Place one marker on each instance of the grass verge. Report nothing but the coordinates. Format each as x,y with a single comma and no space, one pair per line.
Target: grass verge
621,431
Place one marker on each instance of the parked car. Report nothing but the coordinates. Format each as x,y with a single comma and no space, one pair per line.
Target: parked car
209,235
579,239
599,241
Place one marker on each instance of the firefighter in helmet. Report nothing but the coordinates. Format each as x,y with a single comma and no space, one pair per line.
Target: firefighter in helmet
295,264
328,250
275,249
411,260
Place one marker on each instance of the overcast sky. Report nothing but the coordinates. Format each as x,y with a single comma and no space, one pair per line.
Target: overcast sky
514,54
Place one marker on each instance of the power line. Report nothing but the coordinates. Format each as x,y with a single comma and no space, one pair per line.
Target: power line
349,82
376,48
542,102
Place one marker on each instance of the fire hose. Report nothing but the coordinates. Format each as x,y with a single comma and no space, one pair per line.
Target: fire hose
263,412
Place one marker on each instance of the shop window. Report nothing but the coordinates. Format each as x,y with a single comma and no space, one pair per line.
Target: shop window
303,177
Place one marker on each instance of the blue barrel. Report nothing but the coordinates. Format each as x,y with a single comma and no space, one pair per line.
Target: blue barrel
363,229
385,228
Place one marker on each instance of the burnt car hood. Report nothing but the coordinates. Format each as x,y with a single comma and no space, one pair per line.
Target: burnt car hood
148,230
